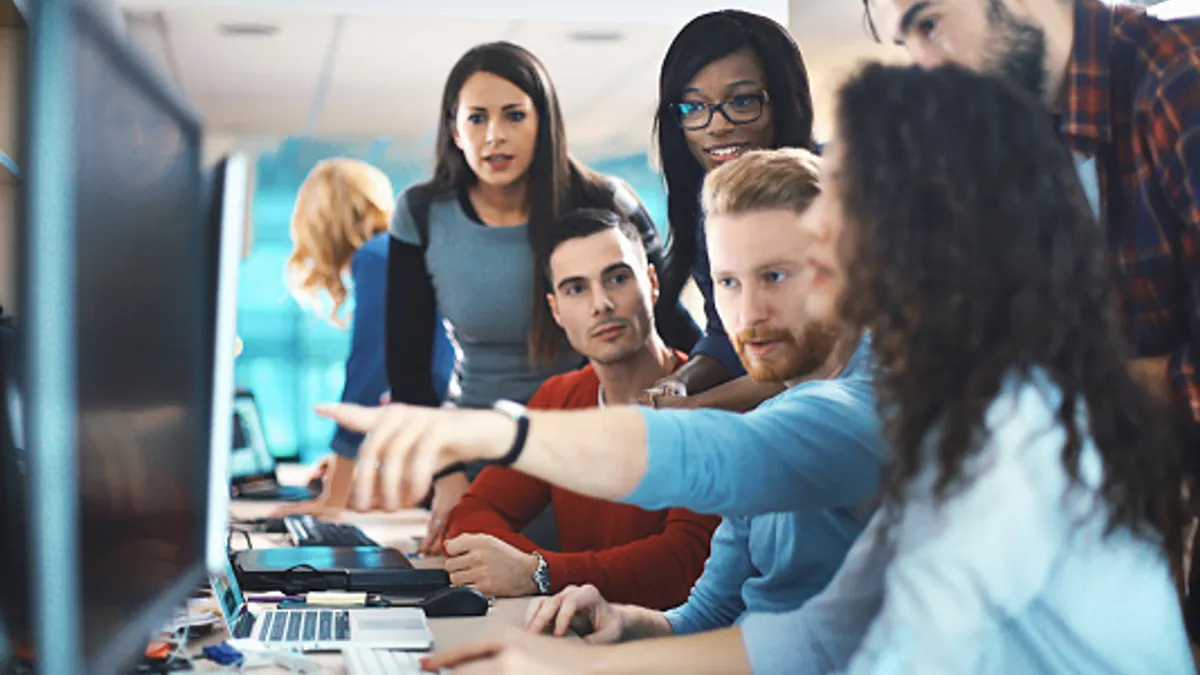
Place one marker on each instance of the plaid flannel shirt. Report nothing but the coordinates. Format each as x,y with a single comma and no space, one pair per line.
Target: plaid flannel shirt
1133,103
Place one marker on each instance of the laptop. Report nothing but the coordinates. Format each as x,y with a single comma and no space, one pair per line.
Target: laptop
317,629
318,568
251,464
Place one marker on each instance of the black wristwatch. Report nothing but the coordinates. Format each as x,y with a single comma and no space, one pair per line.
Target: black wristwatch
517,412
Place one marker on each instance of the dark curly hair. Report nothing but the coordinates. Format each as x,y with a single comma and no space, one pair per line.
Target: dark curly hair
973,257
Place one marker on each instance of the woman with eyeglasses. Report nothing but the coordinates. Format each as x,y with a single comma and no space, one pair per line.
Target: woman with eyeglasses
731,81
465,242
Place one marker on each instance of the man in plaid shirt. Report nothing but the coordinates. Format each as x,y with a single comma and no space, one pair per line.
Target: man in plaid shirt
1125,89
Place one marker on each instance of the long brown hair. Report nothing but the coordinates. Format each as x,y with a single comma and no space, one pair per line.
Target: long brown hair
557,182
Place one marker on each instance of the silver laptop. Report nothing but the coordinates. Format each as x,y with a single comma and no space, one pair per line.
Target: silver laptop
318,629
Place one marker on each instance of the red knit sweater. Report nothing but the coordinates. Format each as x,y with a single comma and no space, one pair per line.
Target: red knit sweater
648,558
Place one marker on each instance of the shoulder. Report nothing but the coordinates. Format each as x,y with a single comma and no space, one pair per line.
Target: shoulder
376,248
841,408
574,389
372,255
1024,411
416,198
844,396
1168,53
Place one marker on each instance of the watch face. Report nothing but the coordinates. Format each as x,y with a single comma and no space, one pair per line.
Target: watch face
541,576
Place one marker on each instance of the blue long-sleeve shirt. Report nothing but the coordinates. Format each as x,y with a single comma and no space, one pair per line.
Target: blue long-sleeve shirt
764,461
366,377
777,561
1012,574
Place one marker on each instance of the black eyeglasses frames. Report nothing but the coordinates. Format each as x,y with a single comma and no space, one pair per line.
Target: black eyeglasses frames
738,109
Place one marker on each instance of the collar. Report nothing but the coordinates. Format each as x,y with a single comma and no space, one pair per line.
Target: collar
1087,115
860,360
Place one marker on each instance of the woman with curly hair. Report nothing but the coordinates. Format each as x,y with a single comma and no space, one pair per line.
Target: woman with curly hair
1033,499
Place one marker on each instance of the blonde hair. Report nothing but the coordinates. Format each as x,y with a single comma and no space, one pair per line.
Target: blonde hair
341,205
760,180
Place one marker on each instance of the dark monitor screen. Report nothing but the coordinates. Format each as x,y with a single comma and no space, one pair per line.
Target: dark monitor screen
143,335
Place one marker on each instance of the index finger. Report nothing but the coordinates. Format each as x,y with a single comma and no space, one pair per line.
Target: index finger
350,415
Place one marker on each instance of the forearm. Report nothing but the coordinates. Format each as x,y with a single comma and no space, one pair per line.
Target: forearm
700,373
738,395
339,482
716,653
641,623
611,443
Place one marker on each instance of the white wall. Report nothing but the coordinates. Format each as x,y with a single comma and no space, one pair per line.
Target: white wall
1174,9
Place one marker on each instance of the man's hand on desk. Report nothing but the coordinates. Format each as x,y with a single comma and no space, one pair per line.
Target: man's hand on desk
515,652
577,608
492,566
447,492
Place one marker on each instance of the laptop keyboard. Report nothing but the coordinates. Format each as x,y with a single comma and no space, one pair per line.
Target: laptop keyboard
306,625
381,662
308,531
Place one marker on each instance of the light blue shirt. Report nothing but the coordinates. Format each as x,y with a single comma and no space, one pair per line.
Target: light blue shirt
777,561
1013,574
712,461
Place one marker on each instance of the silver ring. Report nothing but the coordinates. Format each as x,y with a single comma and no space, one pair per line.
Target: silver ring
378,465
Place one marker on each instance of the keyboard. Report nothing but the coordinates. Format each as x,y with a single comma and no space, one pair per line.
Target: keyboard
308,531
307,625
381,662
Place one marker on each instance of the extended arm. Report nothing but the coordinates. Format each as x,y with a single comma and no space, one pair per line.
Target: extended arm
804,452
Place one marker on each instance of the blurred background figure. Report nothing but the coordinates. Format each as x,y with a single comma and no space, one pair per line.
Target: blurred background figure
339,230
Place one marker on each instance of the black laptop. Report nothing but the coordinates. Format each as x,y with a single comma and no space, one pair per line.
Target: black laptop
251,464
310,568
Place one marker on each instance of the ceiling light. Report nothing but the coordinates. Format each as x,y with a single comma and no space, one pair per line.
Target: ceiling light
596,36
248,29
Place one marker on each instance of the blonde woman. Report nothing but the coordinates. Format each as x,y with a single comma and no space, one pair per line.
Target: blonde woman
339,229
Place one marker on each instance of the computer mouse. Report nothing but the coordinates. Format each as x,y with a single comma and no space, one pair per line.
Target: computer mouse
455,601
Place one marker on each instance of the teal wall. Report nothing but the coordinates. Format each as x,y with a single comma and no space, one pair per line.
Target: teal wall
293,359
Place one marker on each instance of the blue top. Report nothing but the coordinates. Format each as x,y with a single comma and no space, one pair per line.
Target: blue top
1011,574
778,561
714,461
715,343
481,283
366,377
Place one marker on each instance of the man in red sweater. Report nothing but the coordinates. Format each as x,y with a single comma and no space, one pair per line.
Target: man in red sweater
602,294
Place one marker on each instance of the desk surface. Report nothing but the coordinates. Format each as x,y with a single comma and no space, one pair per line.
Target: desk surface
396,530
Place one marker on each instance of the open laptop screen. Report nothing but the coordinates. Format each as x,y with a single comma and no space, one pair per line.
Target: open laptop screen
250,455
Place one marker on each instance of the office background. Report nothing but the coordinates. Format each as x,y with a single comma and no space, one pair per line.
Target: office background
294,358
295,81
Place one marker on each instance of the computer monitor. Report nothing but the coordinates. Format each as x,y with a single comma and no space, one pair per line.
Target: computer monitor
117,333
226,228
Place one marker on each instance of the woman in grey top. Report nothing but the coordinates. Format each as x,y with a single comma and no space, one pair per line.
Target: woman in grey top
464,243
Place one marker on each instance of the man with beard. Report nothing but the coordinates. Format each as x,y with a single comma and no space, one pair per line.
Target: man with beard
1124,88
772,562
817,446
